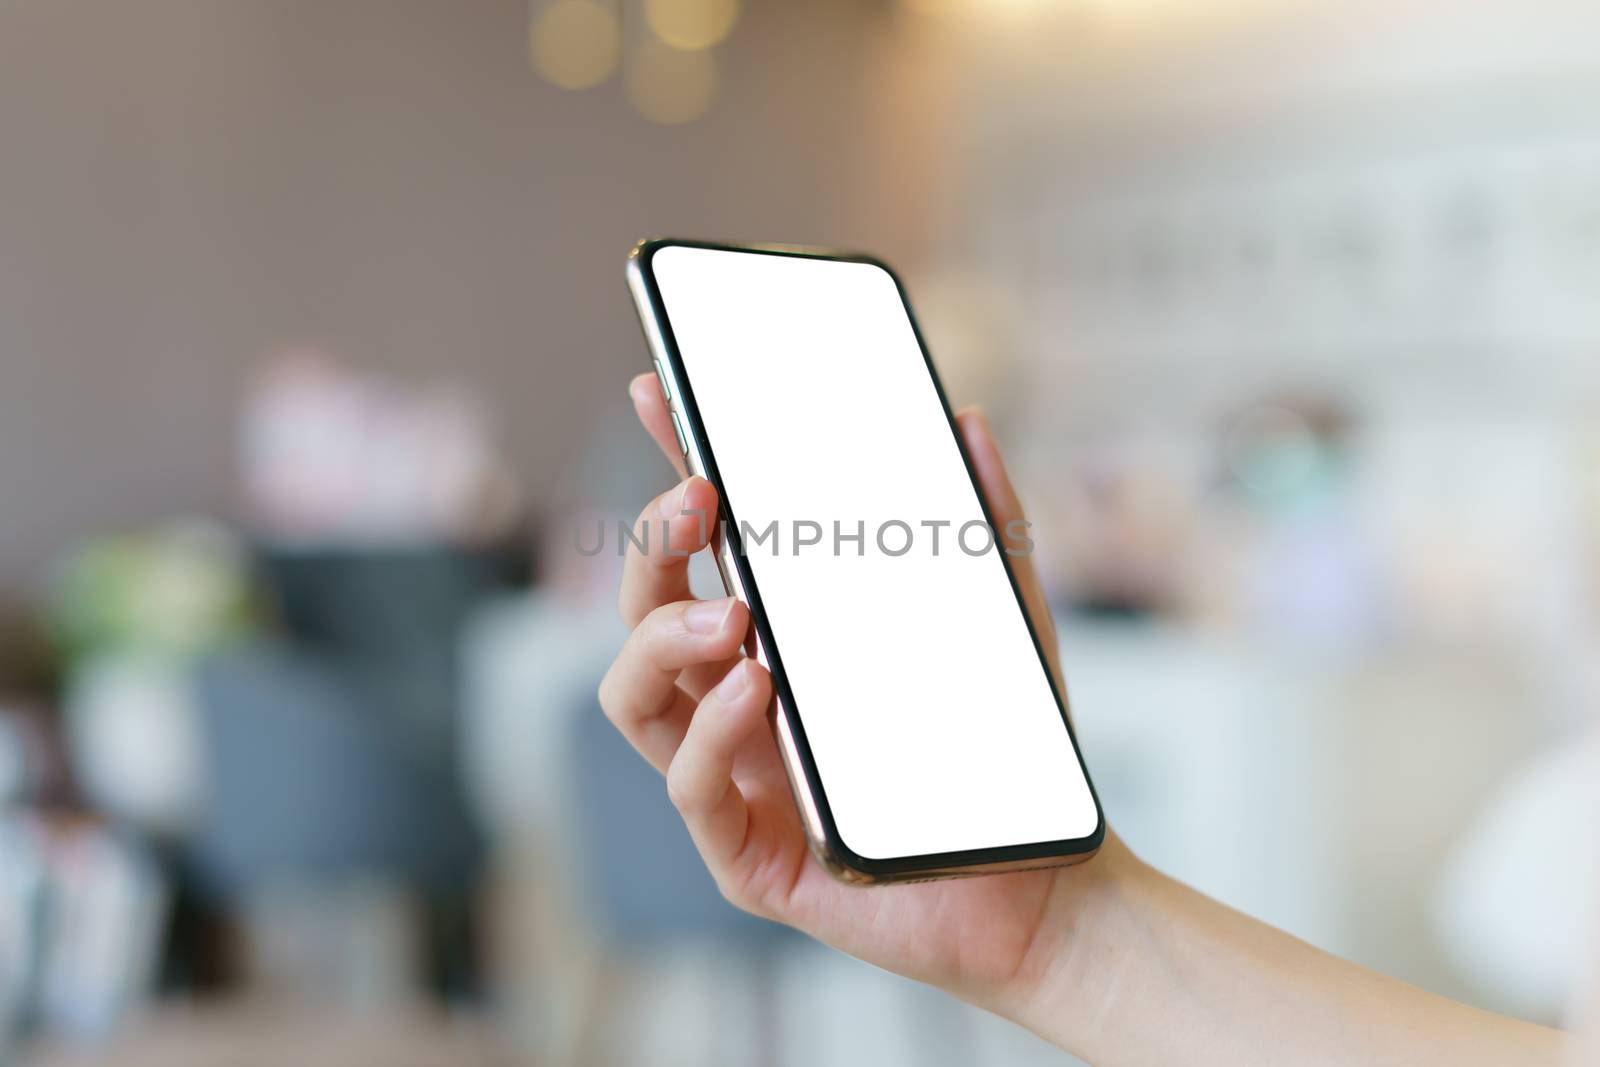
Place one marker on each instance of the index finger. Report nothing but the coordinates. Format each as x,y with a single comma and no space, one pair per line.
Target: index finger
651,407
672,527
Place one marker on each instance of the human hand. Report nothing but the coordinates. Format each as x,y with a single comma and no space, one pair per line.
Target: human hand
684,695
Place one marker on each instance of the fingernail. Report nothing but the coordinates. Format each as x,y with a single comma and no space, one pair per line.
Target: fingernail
737,681
707,616
672,503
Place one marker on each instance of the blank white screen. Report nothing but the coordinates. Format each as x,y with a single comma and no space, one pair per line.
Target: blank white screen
930,718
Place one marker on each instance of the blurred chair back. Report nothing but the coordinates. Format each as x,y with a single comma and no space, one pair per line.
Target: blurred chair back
308,779
645,879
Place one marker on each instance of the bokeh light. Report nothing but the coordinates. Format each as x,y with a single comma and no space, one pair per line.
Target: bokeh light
670,85
691,24
574,43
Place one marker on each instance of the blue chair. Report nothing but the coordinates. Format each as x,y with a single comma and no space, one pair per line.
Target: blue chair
645,882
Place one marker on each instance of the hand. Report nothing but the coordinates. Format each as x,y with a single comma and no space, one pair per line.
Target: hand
686,698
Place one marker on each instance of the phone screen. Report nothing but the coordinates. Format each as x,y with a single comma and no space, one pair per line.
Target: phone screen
930,718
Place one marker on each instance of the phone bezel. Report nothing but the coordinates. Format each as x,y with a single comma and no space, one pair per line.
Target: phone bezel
836,852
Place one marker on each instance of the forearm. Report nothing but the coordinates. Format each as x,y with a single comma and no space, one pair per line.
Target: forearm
1144,970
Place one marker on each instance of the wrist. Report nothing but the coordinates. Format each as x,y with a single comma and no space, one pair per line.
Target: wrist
1067,985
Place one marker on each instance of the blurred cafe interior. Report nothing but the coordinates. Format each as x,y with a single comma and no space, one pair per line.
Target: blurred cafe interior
313,354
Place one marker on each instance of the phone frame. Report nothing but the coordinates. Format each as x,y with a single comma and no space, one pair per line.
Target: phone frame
738,579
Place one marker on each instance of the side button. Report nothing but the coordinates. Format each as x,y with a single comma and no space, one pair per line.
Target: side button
683,444
662,378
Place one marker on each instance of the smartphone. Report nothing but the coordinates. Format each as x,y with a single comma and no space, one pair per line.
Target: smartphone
914,711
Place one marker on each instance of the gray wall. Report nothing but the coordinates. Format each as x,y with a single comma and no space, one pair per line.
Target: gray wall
186,184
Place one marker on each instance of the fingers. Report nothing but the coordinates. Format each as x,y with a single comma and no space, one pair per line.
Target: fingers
671,528
651,408
1007,510
700,777
985,453
640,693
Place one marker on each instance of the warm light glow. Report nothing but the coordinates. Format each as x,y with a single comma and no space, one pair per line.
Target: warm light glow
984,7
670,85
1108,11
574,43
691,24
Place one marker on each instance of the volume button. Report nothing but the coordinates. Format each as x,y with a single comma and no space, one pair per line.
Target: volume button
661,376
677,428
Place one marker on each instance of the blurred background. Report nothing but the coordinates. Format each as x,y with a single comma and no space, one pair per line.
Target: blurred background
313,353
